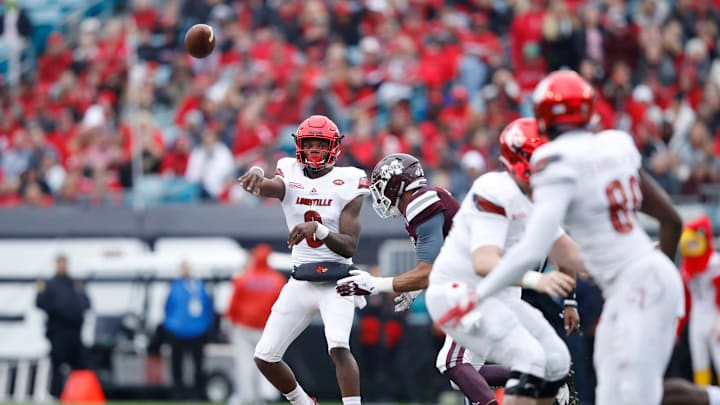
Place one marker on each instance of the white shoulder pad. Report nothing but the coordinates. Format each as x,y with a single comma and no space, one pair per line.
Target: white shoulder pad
355,181
284,166
622,140
550,163
495,187
420,204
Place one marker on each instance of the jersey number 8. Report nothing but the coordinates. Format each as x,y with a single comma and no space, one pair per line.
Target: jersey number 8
311,240
620,208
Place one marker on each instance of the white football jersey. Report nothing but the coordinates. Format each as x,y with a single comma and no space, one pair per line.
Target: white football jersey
493,213
602,213
321,199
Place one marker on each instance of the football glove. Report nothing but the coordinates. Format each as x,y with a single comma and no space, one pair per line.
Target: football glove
362,283
405,300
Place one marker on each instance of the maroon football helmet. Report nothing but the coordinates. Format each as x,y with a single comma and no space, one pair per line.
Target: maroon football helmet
392,176
318,127
518,141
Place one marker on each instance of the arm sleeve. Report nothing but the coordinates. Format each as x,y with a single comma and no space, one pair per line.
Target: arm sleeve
429,238
551,203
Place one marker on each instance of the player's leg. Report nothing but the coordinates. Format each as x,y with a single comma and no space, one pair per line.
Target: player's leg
640,334
337,313
699,339
291,314
493,328
454,361
557,355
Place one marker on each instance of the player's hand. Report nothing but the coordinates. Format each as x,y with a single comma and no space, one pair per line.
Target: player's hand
571,318
358,283
405,300
555,284
252,180
300,232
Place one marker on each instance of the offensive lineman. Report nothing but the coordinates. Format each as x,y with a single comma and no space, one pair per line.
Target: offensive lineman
509,330
322,206
595,184
399,188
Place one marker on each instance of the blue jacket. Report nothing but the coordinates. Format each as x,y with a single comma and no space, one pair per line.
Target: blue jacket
188,309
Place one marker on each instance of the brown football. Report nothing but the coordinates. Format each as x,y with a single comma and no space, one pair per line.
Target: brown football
200,40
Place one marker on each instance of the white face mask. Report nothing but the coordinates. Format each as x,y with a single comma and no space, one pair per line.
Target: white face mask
382,205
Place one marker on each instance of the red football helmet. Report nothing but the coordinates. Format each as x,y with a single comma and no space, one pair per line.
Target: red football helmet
317,127
563,97
518,141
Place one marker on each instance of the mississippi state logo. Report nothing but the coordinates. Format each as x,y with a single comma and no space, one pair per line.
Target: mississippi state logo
393,168
338,182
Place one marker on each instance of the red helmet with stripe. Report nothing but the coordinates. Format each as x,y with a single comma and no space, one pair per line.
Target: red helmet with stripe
317,127
563,98
518,141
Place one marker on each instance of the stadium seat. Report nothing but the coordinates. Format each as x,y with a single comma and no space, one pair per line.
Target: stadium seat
200,247
35,258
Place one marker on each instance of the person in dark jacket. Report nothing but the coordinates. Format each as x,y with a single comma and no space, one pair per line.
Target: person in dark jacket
188,319
64,301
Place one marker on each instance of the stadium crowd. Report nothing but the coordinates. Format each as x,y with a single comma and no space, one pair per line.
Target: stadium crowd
438,79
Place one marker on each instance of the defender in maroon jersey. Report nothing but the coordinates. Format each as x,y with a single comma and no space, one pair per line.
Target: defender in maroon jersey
399,188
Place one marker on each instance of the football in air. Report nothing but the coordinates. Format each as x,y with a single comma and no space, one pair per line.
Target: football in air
200,40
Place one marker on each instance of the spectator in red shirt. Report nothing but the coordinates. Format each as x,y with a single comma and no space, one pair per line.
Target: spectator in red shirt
175,160
458,114
620,43
144,15
360,146
56,59
526,31
254,293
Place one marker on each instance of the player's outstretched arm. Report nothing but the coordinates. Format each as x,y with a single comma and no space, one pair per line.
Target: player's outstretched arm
427,247
255,182
657,203
428,243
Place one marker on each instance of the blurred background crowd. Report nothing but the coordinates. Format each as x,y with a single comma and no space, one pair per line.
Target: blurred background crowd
103,105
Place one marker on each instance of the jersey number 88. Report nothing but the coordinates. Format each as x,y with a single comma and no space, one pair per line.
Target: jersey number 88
620,208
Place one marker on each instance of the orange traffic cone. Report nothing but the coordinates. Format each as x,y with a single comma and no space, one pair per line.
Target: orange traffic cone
82,387
499,395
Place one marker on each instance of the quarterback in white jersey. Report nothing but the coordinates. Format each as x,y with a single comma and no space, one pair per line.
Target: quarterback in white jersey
322,205
504,328
594,183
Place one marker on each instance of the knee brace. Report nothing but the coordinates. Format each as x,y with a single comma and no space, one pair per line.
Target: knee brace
523,385
550,388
